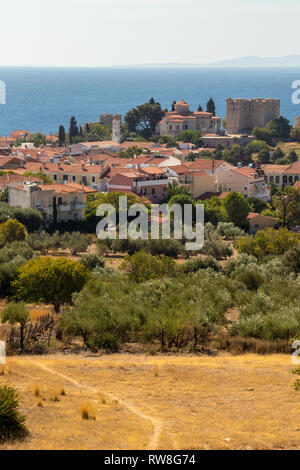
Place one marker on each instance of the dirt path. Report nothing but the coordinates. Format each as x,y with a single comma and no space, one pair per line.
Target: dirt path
157,424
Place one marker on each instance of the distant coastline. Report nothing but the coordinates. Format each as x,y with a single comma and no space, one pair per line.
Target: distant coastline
290,61
249,61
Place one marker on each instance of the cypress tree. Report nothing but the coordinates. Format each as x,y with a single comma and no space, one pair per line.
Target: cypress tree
73,131
61,135
210,106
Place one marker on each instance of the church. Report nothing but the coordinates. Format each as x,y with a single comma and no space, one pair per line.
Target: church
182,119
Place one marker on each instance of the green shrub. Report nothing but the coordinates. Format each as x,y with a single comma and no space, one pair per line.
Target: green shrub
104,340
249,327
251,278
91,261
229,230
12,423
291,260
142,266
170,248
198,263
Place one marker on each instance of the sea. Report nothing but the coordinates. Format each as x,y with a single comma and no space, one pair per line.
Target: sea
40,99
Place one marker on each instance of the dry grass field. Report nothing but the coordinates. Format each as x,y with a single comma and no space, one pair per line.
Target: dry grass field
286,147
156,402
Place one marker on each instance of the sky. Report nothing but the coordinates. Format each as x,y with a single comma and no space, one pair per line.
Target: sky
95,33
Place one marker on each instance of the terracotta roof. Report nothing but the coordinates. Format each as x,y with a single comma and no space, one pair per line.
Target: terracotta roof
205,164
210,194
11,158
223,194
297,185
294,168
156,160
130,174
270,168
139,160
85,189
61,168
152,170
180,169
246,171
18,134
61,188
252,215
121,170
14,178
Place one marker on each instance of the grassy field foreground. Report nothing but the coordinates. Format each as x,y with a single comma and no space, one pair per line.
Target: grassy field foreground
156,402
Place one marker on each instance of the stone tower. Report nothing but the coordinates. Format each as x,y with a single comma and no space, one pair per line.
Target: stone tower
297,122
243,115
116,128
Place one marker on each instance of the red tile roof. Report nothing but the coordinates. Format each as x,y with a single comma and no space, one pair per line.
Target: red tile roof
205,164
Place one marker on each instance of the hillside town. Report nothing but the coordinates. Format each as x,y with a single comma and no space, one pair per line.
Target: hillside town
78,170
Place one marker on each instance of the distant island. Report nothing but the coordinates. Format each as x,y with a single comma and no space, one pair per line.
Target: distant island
249,61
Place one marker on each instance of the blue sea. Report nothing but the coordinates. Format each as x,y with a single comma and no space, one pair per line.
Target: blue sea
40,99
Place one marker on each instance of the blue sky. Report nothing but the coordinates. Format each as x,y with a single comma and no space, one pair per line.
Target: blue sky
120,32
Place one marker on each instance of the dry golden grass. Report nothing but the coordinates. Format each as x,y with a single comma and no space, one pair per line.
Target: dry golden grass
286,147
37,313
163,402
87,410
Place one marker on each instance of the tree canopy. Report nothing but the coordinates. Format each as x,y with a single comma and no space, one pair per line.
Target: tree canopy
50,280
237,208
144,118
11,231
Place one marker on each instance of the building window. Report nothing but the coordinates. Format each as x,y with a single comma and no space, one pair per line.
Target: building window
290,179
271,179
153,190
74,178
93,179
55,177
245,188
65,177
277,179
59,201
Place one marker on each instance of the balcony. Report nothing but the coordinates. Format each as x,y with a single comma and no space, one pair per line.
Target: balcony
64,207
145,183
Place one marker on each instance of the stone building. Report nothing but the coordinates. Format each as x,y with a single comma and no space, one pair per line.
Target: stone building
29,194
116,128
150,182
183,119
106,119
247,181
297,122
281,175
69,200
243,115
